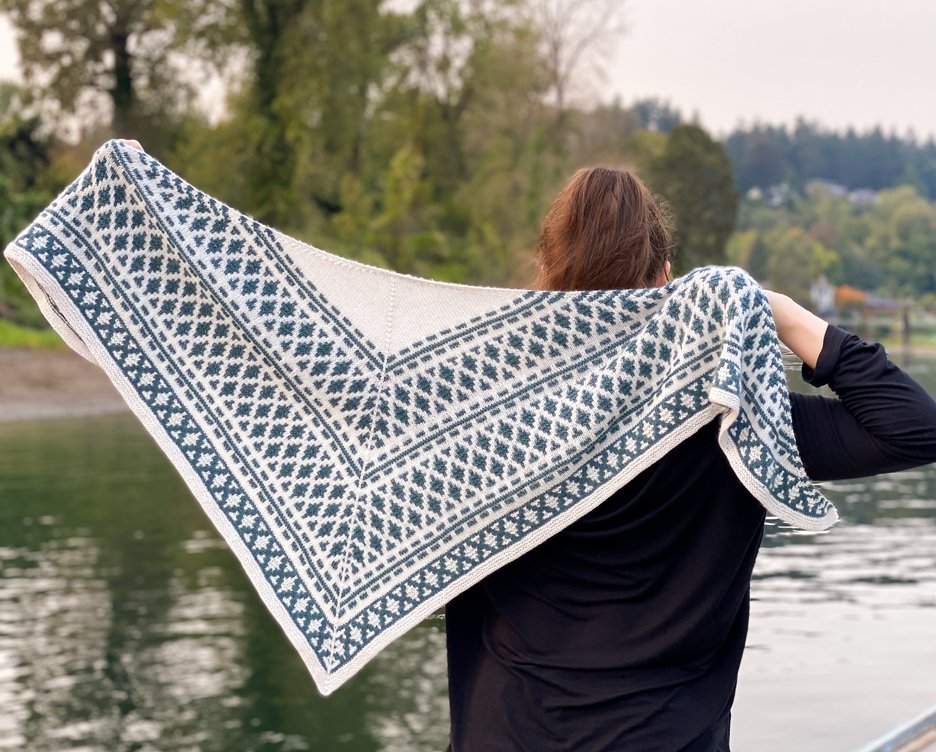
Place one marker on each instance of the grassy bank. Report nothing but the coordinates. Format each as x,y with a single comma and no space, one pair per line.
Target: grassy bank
14,335
920,341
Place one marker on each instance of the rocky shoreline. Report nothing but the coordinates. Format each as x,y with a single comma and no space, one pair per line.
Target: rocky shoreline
53,383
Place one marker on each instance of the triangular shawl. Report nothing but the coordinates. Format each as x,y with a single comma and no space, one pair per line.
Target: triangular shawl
371,443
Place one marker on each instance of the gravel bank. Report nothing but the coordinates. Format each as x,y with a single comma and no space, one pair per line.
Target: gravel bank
45,383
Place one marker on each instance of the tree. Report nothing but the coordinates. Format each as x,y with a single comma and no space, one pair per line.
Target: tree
317,74
656,115
465,92
795,261
73,53
763,162
24,151
576,35
25,156
748,250
902,241
693,175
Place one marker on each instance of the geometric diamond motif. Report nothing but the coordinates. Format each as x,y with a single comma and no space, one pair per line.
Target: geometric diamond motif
363,480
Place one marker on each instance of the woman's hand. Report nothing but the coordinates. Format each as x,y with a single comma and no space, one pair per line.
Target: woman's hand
799,329
131,142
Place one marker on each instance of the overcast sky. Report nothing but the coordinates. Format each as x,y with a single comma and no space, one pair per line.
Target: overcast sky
840,62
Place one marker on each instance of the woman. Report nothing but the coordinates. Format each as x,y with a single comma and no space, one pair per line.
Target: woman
625,631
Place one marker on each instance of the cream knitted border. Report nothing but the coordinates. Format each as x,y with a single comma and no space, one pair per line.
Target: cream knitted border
70,324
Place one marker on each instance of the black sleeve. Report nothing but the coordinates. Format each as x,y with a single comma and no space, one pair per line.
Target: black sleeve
882,421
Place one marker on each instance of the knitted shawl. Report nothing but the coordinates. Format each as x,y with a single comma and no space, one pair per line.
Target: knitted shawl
370,443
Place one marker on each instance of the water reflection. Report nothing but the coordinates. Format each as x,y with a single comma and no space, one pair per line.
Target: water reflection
127,624
840,646
411,670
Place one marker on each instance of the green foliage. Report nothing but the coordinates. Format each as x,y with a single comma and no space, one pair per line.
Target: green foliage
655,115
887,246
16,335
77,54
901,241
764,156
429,141
419,140
17,209
750,250
794,261
24,156
403,195
693,175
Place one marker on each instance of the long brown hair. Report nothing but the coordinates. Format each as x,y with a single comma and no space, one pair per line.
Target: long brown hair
605,230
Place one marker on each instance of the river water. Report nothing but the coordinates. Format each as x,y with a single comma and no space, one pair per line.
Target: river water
126,624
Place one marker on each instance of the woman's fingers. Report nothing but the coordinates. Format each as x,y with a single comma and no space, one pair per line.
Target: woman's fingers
133,143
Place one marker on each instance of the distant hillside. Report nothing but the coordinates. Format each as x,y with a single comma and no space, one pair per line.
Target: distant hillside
768,155
763,156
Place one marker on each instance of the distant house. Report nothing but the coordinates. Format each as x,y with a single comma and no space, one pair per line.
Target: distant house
863,197
774,195
822,295
880,304
826,186
858,197
848,297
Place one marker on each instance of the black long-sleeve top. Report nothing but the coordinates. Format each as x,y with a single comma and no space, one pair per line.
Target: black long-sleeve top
624,632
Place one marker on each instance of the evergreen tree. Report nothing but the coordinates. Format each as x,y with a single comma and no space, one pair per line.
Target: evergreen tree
693,175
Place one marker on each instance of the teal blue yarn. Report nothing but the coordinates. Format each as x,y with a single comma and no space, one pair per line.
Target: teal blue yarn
361,487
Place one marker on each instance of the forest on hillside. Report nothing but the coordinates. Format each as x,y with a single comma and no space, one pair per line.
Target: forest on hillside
430,137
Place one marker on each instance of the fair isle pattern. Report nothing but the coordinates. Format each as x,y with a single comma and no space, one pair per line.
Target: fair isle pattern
363,479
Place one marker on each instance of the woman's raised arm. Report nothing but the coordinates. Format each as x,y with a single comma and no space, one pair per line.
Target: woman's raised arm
799,329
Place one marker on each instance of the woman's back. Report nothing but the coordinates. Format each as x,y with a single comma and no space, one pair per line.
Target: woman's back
625,631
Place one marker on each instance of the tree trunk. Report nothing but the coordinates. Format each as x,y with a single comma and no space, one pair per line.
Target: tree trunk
122,93
271,166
